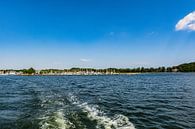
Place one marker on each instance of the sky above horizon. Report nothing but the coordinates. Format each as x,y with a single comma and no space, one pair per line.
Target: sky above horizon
96,33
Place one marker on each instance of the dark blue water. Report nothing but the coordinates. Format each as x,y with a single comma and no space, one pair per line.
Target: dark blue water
145,101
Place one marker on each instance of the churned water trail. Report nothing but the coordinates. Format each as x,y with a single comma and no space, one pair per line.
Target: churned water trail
93,113
56,120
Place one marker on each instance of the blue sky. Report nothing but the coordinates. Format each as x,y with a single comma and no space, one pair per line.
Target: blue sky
96,33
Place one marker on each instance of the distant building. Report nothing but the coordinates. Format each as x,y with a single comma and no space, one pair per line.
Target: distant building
174,70
12,72
2,72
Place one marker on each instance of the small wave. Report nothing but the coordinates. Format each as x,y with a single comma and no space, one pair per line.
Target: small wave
55,121
93,113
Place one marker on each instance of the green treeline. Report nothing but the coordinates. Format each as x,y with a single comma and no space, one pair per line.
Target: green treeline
190,67
187,67
30,71
104,71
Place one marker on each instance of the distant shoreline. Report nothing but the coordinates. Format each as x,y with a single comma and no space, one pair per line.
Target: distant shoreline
92,74
69,74
187,67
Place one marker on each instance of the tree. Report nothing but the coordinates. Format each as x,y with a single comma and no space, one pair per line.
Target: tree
29,71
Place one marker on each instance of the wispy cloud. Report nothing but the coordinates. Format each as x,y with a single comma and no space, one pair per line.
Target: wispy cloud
153,33
85,60
112,33
187,23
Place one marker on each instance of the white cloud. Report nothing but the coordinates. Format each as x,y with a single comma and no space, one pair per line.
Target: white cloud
187,23
85,60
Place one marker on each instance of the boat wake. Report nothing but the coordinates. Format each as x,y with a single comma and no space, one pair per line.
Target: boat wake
64,118
55,120
103,121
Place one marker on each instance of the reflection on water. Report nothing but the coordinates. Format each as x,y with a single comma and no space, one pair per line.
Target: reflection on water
162,101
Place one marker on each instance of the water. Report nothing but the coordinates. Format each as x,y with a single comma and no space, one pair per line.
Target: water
145,101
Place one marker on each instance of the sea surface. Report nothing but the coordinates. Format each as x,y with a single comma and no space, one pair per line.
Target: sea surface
142,101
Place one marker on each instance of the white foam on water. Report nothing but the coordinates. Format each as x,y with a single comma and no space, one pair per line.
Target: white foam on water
93,113
55,121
